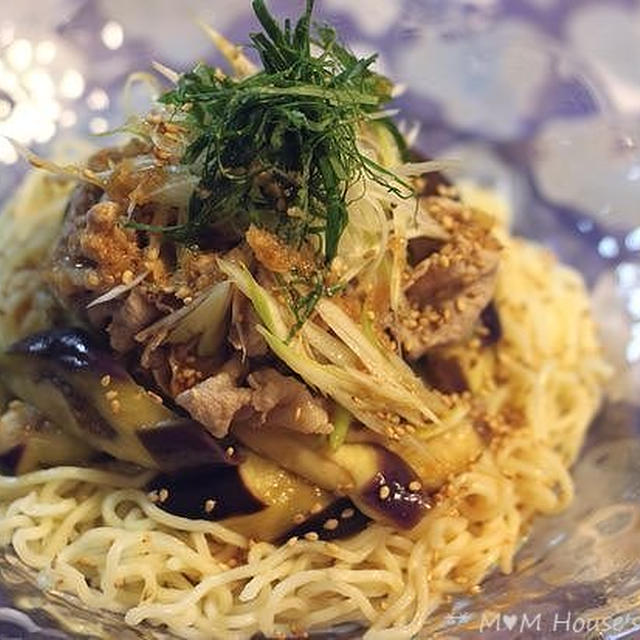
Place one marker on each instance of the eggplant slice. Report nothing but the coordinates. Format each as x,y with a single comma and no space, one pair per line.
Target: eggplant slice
377,480
29,441
341,519
445,455
257,498
78,385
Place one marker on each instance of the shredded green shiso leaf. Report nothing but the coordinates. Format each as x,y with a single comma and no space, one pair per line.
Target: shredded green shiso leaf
295,123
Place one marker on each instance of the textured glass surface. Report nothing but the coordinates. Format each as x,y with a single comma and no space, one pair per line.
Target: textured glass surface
537,98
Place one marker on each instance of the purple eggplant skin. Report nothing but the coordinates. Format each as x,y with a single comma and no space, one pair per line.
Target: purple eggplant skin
363,471
384,486
490,319
389,494
187,493
349,518
257,498
76,383
72,349
183,443
10,459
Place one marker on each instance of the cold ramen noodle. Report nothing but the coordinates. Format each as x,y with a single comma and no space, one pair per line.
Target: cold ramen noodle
264,371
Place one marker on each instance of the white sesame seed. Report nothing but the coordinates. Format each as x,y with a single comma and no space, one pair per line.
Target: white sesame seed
331,524
316,508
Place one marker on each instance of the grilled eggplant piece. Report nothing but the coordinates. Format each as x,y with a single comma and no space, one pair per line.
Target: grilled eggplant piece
445,454
257,498
386,488
305,455
378,481
81,387
29,441
340,519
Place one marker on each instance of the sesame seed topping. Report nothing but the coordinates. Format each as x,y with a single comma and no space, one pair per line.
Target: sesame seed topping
209,505
312,536
384,492
330,524
163,494
105,381
230,451
291,541
299,518
153,496
414,485
316,508
115,406
348,513
112,395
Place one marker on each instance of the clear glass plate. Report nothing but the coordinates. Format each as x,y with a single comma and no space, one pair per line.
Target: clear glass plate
539,99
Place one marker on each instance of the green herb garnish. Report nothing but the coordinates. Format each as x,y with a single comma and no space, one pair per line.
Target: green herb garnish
279,149
285,137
